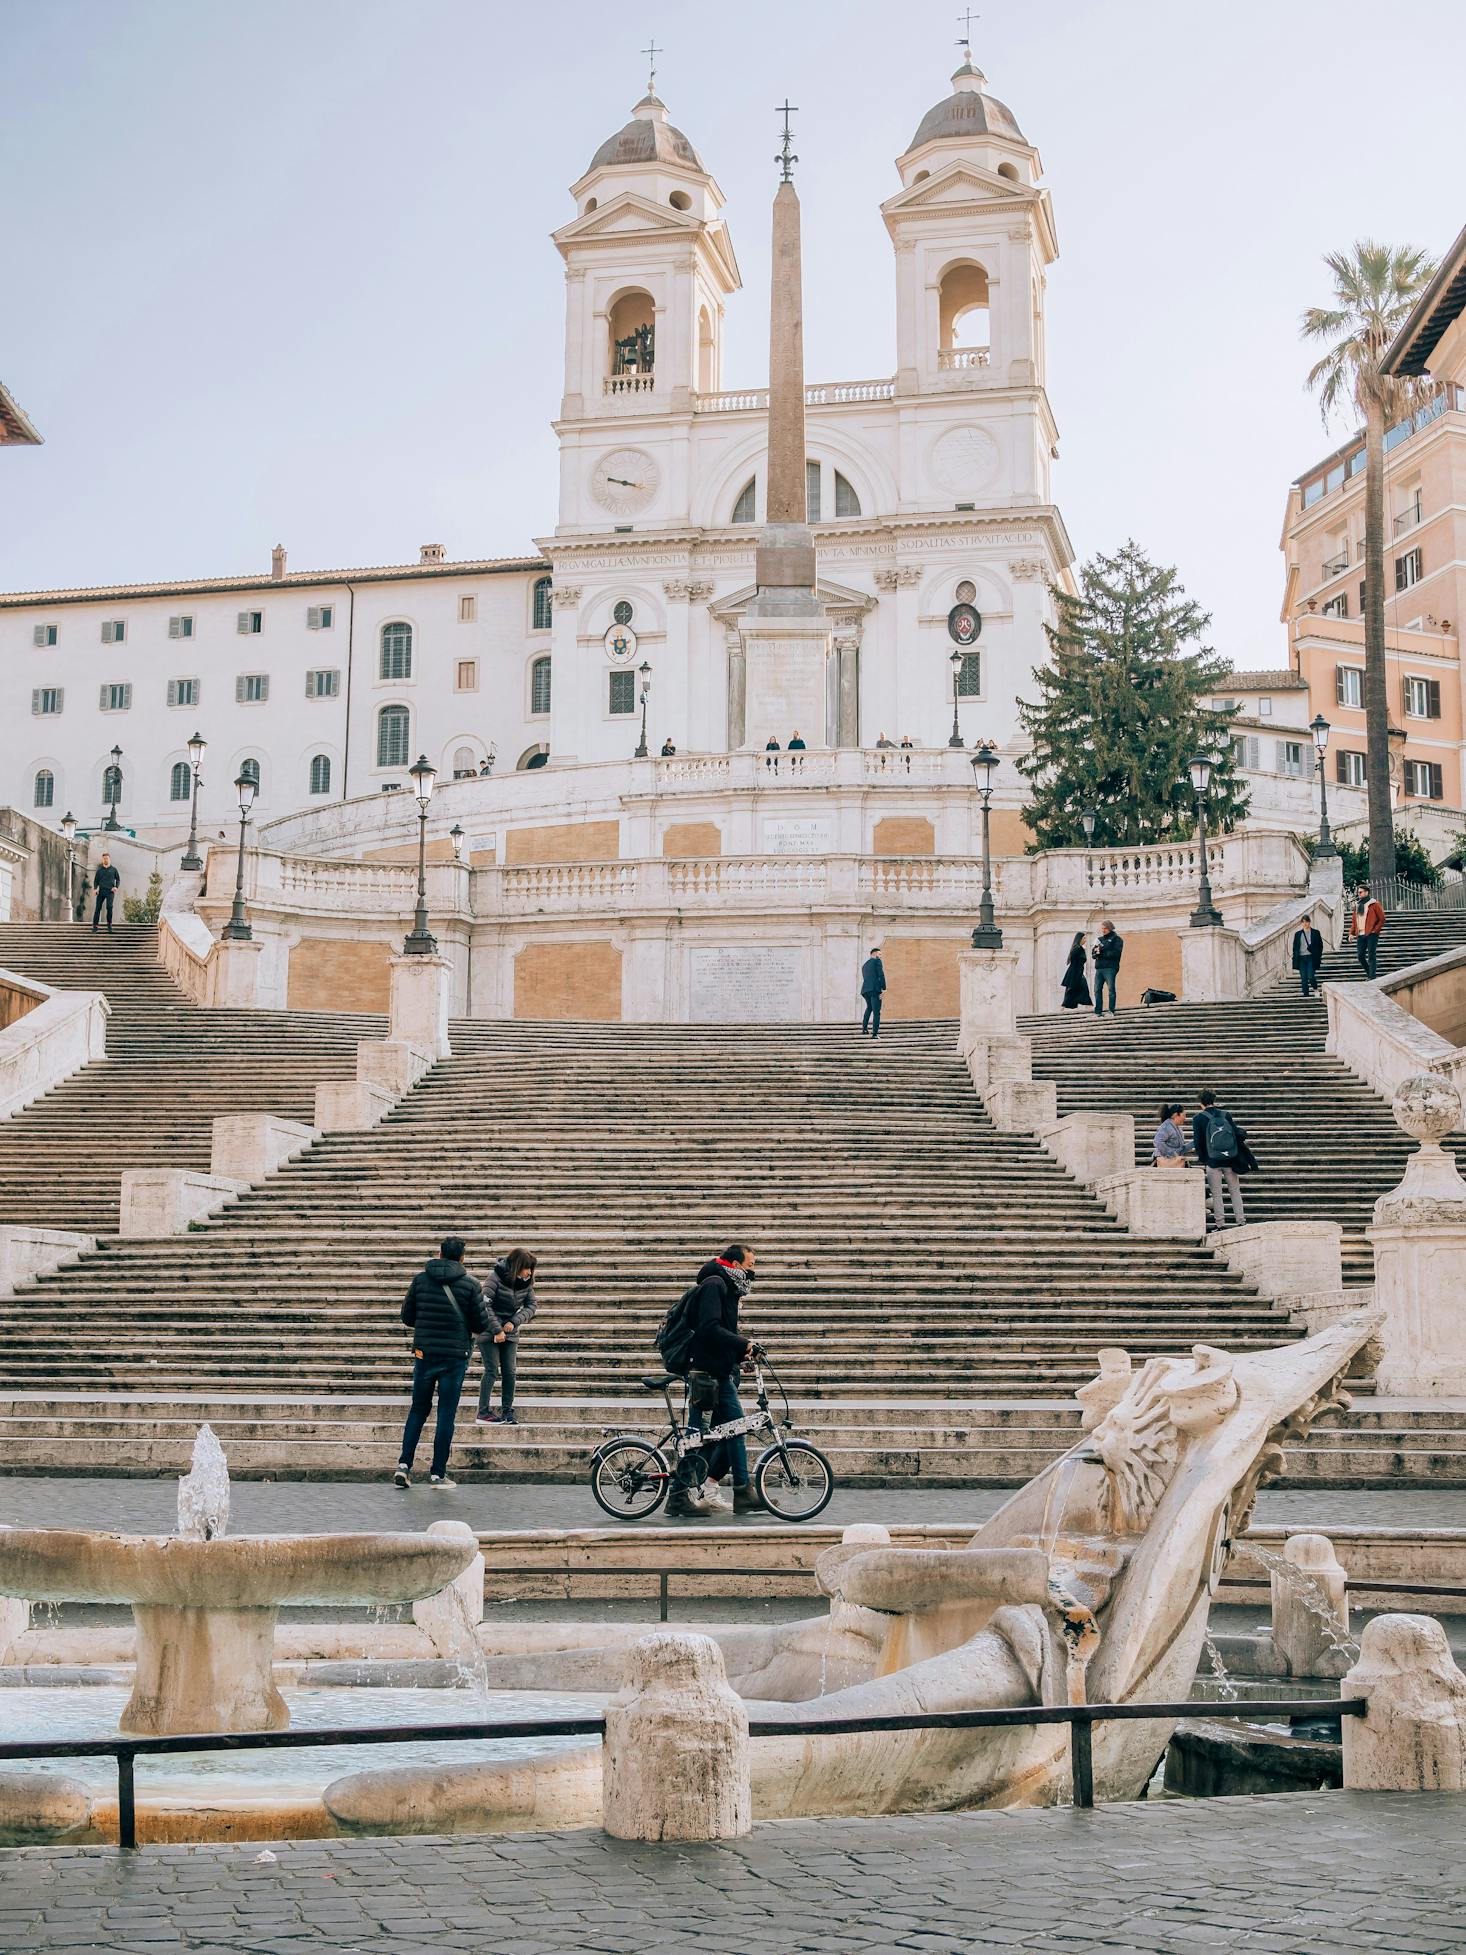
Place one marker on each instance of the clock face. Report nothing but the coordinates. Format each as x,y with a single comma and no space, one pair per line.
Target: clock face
624,481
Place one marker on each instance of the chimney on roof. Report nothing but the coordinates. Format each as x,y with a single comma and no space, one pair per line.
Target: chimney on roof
432,552
277,562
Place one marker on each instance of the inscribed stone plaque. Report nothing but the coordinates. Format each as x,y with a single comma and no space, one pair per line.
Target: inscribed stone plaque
785,687
798,834
745,984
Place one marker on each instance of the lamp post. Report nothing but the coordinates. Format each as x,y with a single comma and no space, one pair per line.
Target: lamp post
1088,817
1206,915
987,935
114,785
955,661
68,829
191,857
1320,729
456,837
237,930
420,941
645,672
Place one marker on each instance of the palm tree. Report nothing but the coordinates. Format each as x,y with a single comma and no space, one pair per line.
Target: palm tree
1375,287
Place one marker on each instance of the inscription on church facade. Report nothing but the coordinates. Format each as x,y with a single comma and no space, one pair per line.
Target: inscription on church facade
745,984
798,834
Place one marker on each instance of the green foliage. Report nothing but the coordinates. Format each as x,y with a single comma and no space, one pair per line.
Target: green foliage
1412,863
1375,288
145,909
1121,710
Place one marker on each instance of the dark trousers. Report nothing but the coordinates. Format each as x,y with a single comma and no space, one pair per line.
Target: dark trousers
446,1376
1104,975
872,1021
725,1452
1369,954
1305,975
500,1362
103,896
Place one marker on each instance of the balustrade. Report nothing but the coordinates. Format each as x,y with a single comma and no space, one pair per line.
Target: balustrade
820,393
630,383
953,359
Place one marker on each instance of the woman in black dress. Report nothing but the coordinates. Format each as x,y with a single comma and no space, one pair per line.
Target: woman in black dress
1076,984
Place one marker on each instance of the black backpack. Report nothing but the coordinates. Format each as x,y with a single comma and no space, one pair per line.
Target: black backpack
1223,1143
674,1339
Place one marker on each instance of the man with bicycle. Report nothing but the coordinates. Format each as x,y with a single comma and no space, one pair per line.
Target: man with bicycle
719,1350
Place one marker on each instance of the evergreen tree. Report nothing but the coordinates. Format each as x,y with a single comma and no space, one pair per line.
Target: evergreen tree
1122,709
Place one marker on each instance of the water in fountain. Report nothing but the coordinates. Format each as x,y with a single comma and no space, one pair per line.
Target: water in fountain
461,1632
203,1492
1226,1686
1314,1597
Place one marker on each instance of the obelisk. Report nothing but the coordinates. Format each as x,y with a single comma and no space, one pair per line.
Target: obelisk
784,634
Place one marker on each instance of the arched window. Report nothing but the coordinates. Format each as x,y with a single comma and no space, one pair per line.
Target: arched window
250,769
633,348
532,757
393,746
396,652
180,781
45,788
543,603
747,495
464,764
539,686
1009,171
963,317
111,785
847,502
321,773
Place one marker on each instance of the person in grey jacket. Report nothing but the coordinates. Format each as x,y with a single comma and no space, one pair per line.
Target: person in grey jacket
510,1303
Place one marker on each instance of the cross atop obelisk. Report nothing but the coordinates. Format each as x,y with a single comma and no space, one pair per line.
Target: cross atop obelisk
785,563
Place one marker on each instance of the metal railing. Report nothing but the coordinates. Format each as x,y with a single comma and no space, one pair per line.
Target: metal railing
1336,566
1396,894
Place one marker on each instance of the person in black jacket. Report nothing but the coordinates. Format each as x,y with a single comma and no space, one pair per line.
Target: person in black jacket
872,989
718,1351
1108,951
1076,984
510,1302
1221,1173
105,884
1307,956
444,1309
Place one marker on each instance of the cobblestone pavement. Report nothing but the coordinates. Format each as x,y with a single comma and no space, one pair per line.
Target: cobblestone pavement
320,1506
1324,1873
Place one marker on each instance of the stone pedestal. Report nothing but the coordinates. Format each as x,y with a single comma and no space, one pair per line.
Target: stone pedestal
786,680
1018,1106
250,1146
206,1669
236,973
421,991
1213,966
394,1065
26,1253
350,1106
1419,1242
1284,1259
676,1757
1165,1202
1311,1608
1090,1146
988,981
1414,1736
163,1201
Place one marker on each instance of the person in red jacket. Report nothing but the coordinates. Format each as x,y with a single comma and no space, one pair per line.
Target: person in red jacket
1366,924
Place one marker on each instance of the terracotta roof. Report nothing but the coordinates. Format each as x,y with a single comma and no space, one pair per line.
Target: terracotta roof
1264,681
15,428
293,579
1438,308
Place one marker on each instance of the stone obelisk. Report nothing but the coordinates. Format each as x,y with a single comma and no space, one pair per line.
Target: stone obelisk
785,637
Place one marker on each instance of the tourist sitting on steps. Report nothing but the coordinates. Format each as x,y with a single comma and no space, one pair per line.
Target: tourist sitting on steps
718,1351
444,1309
510,1302
1169,1146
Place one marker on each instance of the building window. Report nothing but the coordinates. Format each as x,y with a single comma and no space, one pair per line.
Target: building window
1424,780
1349,768
180,627
465,675
251,688
467,608
544,603
1264,709
114,630
45,788
1248,749
1407,570
183,692
623,613
1349,685
1290,758
180,781
1337,607
744,507
393,746
1423,698
250,769
44,635
47,700
623,691
111,785
966,592
465,767
321,774
539,686
847,502
320,617
323,683
811,492
396,660
250,622
115,699
969,676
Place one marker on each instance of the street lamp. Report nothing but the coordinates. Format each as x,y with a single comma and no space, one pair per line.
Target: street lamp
1320,729
456,837
191,858
646,685
987,935
420,941
114,792
1206,915
68,829
955,661
1088,817
237,930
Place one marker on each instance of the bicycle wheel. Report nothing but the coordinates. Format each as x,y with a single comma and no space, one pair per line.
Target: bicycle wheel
794,1480
629,1479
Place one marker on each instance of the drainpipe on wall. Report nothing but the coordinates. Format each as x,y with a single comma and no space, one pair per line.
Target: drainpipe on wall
350,643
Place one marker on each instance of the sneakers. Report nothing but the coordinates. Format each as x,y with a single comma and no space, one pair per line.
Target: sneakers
442,1482
746,1501
507,1419
401,1477
680,1507
486,1419
711,1498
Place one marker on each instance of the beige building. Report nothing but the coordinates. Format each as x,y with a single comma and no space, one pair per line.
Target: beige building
16,430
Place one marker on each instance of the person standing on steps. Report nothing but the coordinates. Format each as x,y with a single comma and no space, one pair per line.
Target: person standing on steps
1107,954
105,884
1307,956
444,1309
872,989
718,1352
1365,924
1076,983
1218,1141
509,1303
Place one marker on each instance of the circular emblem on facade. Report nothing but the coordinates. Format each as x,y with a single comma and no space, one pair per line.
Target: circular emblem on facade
964,623
625,481
620,643
965,461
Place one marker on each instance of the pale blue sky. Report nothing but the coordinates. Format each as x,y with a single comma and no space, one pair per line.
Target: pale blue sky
279,270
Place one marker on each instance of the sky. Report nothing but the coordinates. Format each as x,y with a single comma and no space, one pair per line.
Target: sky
279,271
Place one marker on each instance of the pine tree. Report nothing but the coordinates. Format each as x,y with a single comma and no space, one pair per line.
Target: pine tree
1122,709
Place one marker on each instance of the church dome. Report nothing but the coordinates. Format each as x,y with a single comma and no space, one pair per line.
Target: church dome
648,138
967,111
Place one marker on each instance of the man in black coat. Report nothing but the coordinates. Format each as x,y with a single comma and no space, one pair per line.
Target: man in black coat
444,1309
1307,956
1108,950
718,1351
872,985
105,883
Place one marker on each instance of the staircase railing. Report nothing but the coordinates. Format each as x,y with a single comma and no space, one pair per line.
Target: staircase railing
1397,894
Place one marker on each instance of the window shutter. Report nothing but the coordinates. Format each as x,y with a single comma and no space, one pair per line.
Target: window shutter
126,698
1339,686
175,630
1437,782
239,690
103,698
264,687
106,634
36,699
313,617
1341,769
242,622
1433,705
172,692
40,635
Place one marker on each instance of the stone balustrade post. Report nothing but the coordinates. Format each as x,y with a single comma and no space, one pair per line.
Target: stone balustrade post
422,988
1419,1242
1413,1737
1311,1609
676,1757
234,980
